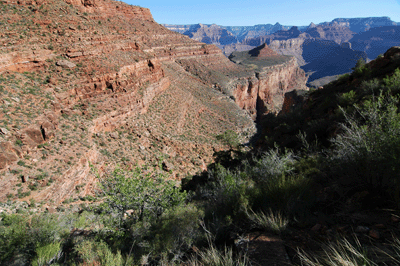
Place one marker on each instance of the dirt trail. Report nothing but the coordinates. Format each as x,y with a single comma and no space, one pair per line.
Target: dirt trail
266,249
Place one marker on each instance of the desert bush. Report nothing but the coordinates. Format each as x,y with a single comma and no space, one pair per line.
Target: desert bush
348,98
212,256
343,77
278,186
370,86
227,196
268,185
45,255
23,239
147,195
393,82
142,208
94,253
341,252
230,138
360,63
270,221
366,152
272,164
12,237
361,69
177,230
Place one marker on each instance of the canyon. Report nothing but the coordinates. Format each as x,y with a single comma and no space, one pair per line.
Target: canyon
86,86
325,44
125,143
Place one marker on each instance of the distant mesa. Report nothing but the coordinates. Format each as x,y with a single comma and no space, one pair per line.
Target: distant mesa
359,25
262,51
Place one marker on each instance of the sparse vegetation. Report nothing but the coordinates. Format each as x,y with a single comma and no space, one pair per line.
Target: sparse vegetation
230,138
333,160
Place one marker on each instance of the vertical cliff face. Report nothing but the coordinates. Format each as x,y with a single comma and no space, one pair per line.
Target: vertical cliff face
274,75
277,80
264,92
257,82
293,47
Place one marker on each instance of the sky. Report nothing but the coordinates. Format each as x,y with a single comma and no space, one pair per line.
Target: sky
253,12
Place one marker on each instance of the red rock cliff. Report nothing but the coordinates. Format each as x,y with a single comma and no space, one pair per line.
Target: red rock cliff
274,75
96,83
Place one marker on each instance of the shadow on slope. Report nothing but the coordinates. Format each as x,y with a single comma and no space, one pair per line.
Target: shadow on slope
326,58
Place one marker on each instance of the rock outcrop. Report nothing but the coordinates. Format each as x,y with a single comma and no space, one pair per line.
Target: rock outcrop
274,76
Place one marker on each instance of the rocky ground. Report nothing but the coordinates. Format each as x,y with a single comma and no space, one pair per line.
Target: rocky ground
87,86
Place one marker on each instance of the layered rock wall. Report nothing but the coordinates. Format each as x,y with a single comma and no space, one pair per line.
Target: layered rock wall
264,92
293,47
90,69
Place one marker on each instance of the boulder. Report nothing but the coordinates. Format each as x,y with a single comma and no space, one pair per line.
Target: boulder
65,64
4,131
393,52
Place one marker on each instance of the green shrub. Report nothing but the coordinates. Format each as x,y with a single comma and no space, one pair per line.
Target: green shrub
274,222
272,165
13,236
370,86
230,138
84,220
337,253
212,256
228,191
278,187
25,238
19,142
393,82
360,63
361,69
343,78
148,195
46,254
139,205
177,230
227,196
21,163
348,98
366,152
93,253
265,185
